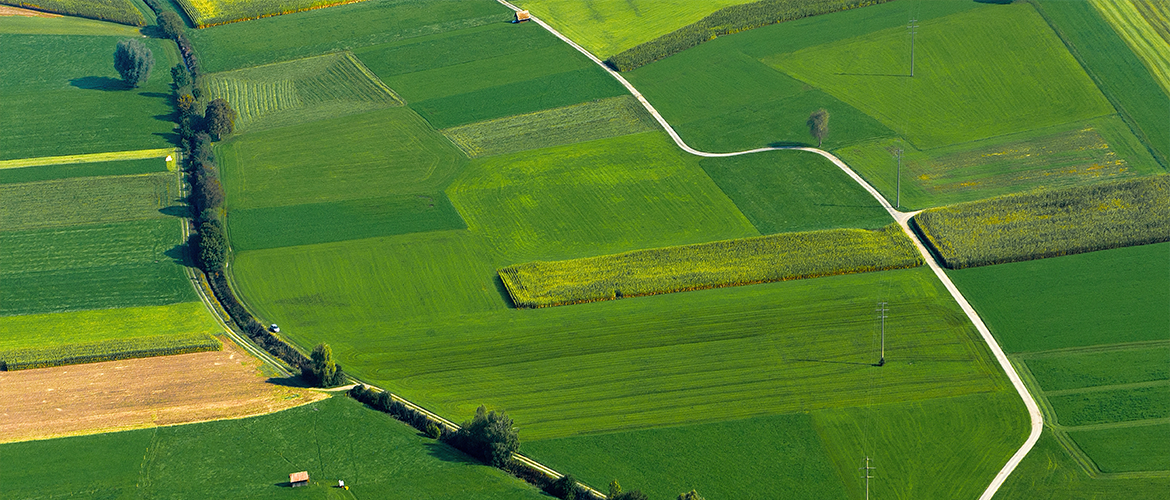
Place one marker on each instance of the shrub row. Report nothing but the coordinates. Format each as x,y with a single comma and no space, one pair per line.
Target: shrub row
383,401
255,331
116,11
1049,223
726,21
762,259
107,350
190,60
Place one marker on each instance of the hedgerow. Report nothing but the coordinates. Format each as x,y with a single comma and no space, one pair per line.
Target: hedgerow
107,350
1049,223
726,21
762,259
117,11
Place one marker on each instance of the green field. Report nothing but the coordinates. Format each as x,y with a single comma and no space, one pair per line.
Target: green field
119,11
1019,77
345,27
1128,449
1118,72
601,119
1066,155
1146,29
89,200
1029,316
20,25
69,170
61,329
65,87
600,197
607,27
299,91
1105,406
107,350
333,439
782,191
1049,223
1130,364
747,261
1049,473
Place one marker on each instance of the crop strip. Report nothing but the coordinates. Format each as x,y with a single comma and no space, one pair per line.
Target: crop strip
765,259
109,350
141,154
1049,223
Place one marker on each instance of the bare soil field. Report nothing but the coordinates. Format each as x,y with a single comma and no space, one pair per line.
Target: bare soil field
131,394
7,11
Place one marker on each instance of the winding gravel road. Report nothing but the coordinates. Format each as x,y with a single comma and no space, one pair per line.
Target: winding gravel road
902,218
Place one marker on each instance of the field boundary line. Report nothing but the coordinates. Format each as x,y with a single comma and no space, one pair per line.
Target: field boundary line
902,218
140,154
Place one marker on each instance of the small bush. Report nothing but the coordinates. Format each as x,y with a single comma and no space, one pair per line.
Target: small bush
565,488
433,430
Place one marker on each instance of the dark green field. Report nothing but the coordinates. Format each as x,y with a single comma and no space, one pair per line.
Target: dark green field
1076,370
65,89
1113,405
99,169
377,456
1128,449
1049,473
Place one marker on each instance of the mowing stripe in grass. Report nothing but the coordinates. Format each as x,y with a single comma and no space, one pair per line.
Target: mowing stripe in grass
88,200
68,170
86,158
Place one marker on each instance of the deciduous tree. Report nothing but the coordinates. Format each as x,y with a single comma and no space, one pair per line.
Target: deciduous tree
220,118
133,61
322,364
171,24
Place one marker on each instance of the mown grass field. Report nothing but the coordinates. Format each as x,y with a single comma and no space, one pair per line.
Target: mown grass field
90,200
1062,156
1019,77
762,259
601,119
1117,70
333,439
1145,27
70,170
303,90
61,329
783,191
65,87
19,25
344,27
600,197
1018,304
1048,473
1049,223
1128,449
611,26
118,11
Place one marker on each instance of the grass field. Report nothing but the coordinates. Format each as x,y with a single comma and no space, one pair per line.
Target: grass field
19,25
1049,223
1118,72
1048,473
1128,449
1077,370
119,11
61,329
206,13
90,200
1019,77
784,191
611,26
108,350
272,227
344,27
372,155
65,87
1062,156
664,462
333,439
70,170
594,198
612,365
602,119
1112,405
1026,316
762,259
299,91
1145,27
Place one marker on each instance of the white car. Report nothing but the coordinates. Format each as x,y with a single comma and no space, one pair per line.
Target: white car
274,328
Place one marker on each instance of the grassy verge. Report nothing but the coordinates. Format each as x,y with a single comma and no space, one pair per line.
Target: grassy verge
108,350
1050,223
763,259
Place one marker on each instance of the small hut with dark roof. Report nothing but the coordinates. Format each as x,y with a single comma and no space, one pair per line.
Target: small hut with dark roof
299,479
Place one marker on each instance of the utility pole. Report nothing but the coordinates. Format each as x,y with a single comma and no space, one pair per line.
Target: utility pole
913,26
898,203
866,475
882,314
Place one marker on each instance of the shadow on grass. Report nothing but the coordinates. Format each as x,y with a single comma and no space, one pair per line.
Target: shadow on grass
789,144
446,453
181,255
503,289
176,211
99,83
854,363
901,75
294,381
170,137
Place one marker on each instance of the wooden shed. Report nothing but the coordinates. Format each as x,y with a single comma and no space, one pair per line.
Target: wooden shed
299,479
521,16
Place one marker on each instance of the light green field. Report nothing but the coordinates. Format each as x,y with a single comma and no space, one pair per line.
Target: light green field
1145,27
299,91
389,151
89,200
19,25
594,198
607,27
52,330
65,88
1063,156
1017,77
333,439
584,122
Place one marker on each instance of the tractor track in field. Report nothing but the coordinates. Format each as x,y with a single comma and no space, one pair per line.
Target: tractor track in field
903,219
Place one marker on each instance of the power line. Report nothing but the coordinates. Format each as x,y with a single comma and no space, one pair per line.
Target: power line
866,475
913,27
881,310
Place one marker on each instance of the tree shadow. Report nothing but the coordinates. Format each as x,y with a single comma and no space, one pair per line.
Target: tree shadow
170,137
854,363
904,75
997,2
503,290
100,83
152,31
181,254
157,95
176,211
789,144
446,453
294,381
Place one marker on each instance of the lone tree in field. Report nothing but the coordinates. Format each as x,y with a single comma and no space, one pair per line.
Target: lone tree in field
818,125
322,366
220,118
171,25
133,61
491,437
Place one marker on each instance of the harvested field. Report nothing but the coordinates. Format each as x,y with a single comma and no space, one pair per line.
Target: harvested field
131,394
8,11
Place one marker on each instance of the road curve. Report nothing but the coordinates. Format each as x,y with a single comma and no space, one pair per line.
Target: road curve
903,219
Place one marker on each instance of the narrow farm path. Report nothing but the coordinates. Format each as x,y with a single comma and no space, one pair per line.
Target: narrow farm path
141,154
903,219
